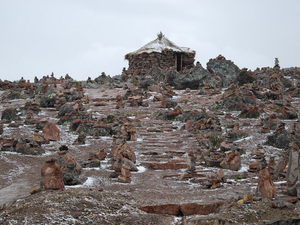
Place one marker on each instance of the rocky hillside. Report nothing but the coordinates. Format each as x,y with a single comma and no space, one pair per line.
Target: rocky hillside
215,145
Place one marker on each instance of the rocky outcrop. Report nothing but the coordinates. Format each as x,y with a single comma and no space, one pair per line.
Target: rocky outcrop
226,69
192,80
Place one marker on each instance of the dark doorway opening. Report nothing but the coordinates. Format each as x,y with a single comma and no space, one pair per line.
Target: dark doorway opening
179,62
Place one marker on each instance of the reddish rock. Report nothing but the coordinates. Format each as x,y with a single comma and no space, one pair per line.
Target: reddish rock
80,139
120,102
169,209
232,161
101,155
52,176
252,112
40,139
124,150
199,209
51,132
125,176
183,209
254,166
265,184
167,103
189,125
173,113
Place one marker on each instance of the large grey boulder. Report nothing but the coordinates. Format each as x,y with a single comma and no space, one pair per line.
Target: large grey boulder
192,80
224,68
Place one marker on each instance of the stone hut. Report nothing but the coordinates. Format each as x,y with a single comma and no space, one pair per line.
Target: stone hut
160,53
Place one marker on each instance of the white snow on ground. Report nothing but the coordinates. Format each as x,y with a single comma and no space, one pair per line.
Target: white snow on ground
280,182
105,137
244,168
94,168
88,183
141,169
105,164
139,139
244,139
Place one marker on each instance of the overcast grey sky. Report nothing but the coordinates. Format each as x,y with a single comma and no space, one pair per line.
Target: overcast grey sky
85,37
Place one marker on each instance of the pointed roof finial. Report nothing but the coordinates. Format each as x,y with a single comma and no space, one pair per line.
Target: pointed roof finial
160,35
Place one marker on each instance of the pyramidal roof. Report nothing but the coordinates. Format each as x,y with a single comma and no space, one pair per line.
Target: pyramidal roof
158,45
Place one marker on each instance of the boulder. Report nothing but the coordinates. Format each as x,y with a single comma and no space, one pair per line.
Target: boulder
251,112
101,155
191,80
245,77
186,209
232,161
266,186
65,109
167,103
125,176
51,132
28,147
71,168
280,138
255,166
10,114
80,139
237,99
226,69
123,150
48,100
52,177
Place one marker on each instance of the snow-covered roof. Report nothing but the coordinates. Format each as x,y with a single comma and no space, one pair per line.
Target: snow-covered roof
158,45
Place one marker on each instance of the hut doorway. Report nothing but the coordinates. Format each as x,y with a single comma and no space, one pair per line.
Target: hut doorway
178,62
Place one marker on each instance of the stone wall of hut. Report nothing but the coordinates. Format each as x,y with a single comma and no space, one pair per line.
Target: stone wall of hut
140,64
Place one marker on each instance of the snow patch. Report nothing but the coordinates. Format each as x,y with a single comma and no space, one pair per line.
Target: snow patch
244,168
141,169
244,139
88,183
